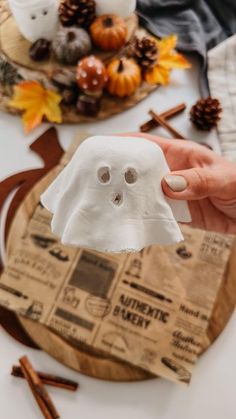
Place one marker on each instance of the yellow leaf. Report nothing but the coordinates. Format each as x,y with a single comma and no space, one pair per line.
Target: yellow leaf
157,75
167,44
175,60
168,59
36,102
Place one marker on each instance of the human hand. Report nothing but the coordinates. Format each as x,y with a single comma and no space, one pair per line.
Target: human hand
204,179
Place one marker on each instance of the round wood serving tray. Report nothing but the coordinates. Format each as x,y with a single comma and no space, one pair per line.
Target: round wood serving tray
93,363
16,47
15,50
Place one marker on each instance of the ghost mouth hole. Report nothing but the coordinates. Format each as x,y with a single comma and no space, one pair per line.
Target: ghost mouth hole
131,176
104,175
117,199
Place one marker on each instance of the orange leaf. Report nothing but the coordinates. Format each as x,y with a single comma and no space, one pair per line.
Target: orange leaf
157,75
36,102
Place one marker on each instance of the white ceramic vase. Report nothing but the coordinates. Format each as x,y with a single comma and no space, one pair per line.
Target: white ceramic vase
123,8
36,18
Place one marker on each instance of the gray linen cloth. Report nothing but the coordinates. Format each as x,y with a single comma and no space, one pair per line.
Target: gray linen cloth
199,24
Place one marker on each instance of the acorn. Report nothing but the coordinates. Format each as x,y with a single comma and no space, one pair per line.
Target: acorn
40,50
88,105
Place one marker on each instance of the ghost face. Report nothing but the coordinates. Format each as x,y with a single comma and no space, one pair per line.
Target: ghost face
109,197
37,19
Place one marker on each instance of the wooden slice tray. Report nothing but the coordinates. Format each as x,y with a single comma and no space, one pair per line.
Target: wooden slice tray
93,363
14,49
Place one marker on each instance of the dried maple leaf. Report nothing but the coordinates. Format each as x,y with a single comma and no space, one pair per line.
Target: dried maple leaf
36,102
168,59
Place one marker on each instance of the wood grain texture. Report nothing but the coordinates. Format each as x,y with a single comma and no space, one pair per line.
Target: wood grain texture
4,10
91,362
48,148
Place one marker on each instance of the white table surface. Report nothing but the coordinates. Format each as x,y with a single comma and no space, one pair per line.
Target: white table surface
212,392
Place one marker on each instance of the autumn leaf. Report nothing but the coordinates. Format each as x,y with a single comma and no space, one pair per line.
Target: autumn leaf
160,74
168,59
174,61
36,102
167,44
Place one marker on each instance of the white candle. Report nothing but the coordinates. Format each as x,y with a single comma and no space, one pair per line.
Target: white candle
123,8
35,18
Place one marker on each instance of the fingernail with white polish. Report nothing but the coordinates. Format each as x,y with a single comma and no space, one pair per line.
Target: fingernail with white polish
176,183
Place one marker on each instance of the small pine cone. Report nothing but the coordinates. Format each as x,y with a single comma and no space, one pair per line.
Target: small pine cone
144,51
77,12
8,74
205,114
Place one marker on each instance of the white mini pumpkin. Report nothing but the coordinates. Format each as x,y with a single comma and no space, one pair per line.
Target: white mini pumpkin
70,44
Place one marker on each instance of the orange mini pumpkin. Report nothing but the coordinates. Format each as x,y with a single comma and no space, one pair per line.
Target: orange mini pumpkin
109,32
124,77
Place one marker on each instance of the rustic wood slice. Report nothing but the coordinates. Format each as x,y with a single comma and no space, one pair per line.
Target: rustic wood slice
4,10
93,363
110,105
15,49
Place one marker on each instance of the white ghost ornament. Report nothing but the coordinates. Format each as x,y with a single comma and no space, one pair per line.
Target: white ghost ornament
36,18
109,198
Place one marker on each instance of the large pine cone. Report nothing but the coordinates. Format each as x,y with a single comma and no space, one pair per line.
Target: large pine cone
77,12
205,114
144,51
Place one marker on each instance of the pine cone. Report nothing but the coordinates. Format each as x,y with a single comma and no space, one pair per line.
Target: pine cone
144,51
8,74
205,114
77,12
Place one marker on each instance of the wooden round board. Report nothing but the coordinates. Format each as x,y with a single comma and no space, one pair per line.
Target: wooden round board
93,363
14,49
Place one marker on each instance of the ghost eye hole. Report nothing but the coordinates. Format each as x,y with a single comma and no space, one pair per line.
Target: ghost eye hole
104,175
131,176
33,17
45,12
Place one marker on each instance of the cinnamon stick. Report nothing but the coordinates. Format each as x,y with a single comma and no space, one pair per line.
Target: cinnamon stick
38,390
48,379
152,123
161,121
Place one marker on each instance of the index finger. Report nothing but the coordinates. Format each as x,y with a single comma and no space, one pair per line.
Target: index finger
180,154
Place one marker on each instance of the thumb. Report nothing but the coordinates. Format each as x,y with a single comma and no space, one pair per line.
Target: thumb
193,184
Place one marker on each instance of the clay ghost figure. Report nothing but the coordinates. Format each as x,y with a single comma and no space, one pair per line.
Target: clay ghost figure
109,198
36,18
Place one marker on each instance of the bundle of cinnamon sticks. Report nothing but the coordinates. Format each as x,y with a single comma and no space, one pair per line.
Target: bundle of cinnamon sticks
37,381
162,120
